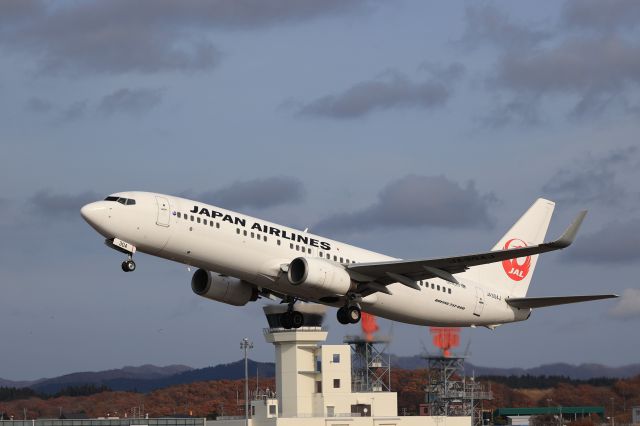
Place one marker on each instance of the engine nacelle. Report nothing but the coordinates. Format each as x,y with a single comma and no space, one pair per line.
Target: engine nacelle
222,288
314,273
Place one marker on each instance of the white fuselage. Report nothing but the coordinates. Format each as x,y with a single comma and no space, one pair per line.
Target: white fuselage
254,250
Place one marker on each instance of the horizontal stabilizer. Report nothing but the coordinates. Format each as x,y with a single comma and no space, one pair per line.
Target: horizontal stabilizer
541,302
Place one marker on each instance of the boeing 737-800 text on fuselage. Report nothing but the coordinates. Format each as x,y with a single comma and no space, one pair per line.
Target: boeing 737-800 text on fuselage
241,258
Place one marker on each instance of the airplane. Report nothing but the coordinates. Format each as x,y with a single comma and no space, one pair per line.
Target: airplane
242,258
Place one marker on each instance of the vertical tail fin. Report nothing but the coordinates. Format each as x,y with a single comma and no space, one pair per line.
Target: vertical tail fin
513,276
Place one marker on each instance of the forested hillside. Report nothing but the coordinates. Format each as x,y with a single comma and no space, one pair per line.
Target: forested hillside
212,398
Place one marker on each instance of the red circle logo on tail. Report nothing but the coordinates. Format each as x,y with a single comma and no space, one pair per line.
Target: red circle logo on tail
516,269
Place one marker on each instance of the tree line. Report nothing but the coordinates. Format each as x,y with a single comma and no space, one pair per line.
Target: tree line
12,393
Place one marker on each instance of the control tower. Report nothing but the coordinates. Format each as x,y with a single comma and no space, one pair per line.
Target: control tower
314,380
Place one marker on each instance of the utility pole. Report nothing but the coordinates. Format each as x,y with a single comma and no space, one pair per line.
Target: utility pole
245,345
613,414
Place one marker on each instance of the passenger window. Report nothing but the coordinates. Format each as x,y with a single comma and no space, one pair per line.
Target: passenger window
328,256
347,261
211,223
192,218
320,254
291,246
178,214
341,261
252,235
217,225
204,221
432,286
438,288
198,220
244,232
449,291
297,247
278,242
264,237
335,258
238,231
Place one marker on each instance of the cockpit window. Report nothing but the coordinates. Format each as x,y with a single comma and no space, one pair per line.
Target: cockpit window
121,200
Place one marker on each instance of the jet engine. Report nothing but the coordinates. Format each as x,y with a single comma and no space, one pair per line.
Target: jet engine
232,291
320,275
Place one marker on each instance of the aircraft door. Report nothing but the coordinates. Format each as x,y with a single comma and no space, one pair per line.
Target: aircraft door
479,302
163,211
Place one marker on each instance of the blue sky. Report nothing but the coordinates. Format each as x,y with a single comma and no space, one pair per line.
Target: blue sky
400,115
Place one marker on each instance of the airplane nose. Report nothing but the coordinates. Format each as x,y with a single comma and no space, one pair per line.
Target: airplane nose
94,213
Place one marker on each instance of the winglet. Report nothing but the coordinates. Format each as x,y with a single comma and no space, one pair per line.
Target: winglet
569,235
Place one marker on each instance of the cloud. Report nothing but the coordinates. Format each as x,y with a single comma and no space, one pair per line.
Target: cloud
595,71
592,69
130,101
16,11
628,305
257,193
39,105
415,201
392,90
45,204
149,36
487,24
592,179
606,16
616,243
74,112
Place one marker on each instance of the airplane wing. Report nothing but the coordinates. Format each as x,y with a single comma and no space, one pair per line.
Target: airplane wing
376,275
541,302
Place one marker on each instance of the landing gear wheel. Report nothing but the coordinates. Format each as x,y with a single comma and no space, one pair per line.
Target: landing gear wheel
297,319
286,320
343,316
128,266
354,314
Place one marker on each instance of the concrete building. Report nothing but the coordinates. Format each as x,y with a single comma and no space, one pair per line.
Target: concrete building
313,383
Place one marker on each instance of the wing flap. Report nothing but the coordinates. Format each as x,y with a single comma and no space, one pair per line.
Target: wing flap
541,302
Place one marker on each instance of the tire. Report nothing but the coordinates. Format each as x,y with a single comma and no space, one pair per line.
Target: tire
354,314
286,321
297,319
124,266
342,316
131,265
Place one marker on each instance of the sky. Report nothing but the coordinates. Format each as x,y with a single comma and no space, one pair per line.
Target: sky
414,128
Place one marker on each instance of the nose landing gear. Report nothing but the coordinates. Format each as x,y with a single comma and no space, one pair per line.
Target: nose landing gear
124,247
129,265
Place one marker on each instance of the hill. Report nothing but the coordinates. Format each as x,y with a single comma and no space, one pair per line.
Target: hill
225,397
148,378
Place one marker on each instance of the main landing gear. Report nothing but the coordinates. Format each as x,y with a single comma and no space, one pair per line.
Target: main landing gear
129,265
291,319
349,314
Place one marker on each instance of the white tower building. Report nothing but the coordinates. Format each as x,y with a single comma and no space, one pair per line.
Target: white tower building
314,380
